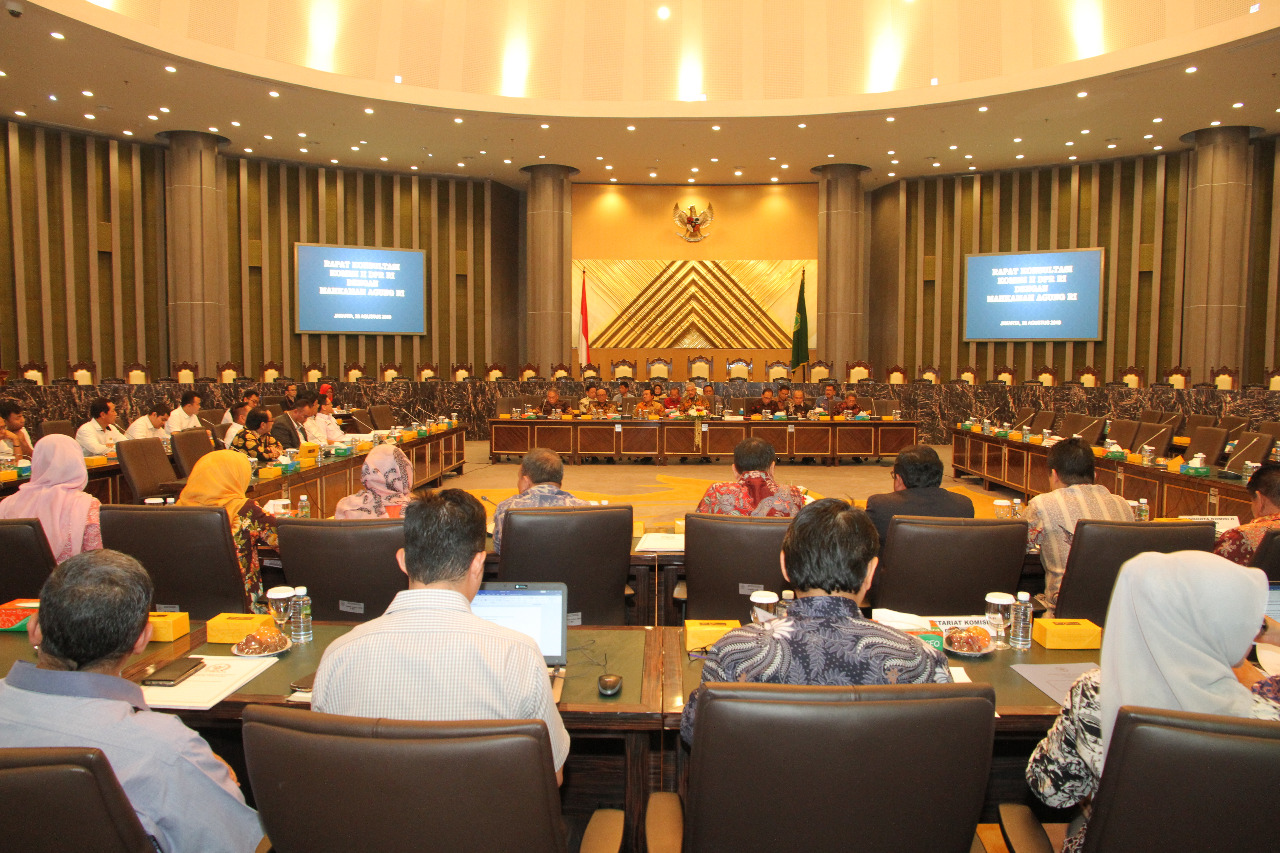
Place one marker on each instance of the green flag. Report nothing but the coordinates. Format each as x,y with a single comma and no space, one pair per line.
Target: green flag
800,331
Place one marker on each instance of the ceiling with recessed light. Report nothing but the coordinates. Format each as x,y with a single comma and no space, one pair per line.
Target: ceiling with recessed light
931,87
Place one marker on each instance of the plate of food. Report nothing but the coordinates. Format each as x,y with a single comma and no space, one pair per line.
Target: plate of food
267,641
974,641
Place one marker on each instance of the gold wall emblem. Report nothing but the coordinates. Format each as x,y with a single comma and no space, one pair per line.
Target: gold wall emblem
693,222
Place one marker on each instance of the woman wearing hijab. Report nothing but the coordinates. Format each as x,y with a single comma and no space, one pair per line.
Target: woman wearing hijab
1177,625
221,478
387,478
56,496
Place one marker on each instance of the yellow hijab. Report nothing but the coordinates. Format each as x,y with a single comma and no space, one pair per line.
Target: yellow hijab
219,478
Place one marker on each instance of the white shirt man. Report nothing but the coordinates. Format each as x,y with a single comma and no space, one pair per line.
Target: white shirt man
15,441
251,399
150,425
185,417
99,434
323,426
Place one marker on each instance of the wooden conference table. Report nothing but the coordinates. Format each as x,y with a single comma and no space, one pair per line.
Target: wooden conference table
643,719
830,440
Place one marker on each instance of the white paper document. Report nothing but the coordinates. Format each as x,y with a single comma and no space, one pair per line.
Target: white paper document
1221,523
1269,658
661,542
959,676
222,675
1053,679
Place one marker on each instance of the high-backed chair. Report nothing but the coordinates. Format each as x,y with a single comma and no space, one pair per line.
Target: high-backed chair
1217,778
1198,420
775,370
738,368
588,548
1234,425
858,775
1023,417
1210,441
658,368
28,560
1159,437
1271,428
1178,377
1131,376
228,371
57,427
326,783
1123,432
188,446
1150,416
425,372
560,370
1100,548
882,407
819,370
211,417
855,371
37,785
699,368
723,552
348,567
623,369
36,371
1224,378
1174,420
1250,447
202,576
983,555
390,370
185,371
1004,374
363,420
1047,375
137,373
1042,421
383,417
896,375
270,372
146,468
83,372
1267,555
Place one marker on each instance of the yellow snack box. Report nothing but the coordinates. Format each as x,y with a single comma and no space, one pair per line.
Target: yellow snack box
1066,634
700,633
167,627
1182,440
95,461
407,434
1175,464
268,472
1098,450
234,627
1133,458
307,463
506,417
1037,439
8,476
1015,436
364,447
308,450
757,417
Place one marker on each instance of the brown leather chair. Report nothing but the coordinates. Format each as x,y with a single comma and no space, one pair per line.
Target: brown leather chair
855,769
188,446
1090,428
363,420
1150,416
1233,424
348,567
1250,447
1042,421
1176,781
1100,548
1194,421
210,418
722,553
1267,557
67,798
1123,432
28,560
383,417
1159,437
326,783
188,552
220,434
881,408
275,409
1023,417
57,428
1271,428
981,556
587,548
1174,421
146,468
1210,441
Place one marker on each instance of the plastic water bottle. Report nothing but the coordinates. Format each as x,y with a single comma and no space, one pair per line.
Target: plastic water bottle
1144,511
301,619
784,604
1020,629
1017,508
304,507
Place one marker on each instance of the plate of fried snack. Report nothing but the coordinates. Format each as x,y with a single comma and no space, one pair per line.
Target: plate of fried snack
974,641
264,642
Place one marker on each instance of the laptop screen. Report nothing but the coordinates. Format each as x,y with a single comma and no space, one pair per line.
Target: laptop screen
1273,601
538,610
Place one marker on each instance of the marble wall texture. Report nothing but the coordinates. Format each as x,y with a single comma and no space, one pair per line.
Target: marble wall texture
936,407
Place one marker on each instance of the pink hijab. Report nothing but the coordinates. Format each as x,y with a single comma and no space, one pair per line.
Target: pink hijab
55,494
387,478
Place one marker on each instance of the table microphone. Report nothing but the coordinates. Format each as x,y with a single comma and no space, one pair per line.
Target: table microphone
1236,454
485,498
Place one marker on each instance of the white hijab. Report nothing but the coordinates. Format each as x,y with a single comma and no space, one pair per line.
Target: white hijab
1176,626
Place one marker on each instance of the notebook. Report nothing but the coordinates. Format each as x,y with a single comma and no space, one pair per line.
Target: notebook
537,610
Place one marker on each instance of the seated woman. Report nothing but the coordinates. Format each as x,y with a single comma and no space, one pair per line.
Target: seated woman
55,495
256,440
387,477
1177,625
221,478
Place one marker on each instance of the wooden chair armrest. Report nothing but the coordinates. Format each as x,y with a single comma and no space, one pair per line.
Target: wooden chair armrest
1022,832
604,832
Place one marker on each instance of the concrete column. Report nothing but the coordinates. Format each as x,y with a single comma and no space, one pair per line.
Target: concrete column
842,289
550,241
1215,287
195,239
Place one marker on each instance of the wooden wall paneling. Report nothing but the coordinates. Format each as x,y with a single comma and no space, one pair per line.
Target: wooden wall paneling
1135,252
1015,245
904,219
242,224
1054,222
415,235
117,274
340,239
42,235
996,245
442,368
19,255
395,244
1154,364
90,224
1186,175
379,240
1067,369
1273,266
918,278
322,236
487,238
158,257
304,236
1034,244
358,215
939,235
470,314
450,223
68,240
264,321
957,263
1095,213
1113,280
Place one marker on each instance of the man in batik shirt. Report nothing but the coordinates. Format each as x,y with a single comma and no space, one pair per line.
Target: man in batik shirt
1239,544
553,405
828,555
649,406
755,492
538,486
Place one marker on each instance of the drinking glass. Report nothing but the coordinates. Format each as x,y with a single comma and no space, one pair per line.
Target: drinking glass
999,609
280,604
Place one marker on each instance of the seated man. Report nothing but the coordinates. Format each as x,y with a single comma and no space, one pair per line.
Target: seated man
239,413
782,400
428,657
290,429
765,403
150,425
250,397
1239,544
99,434
850,408
553,405
290,397
829,403
708,400
755,492
537,485
648,405
673,398
185,416
917,490
1052,516
798,406
256,440
624,394
323,427
92,617
829,556
15,441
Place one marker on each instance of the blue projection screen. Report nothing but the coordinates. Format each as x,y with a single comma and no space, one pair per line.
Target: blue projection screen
359,290
1034,296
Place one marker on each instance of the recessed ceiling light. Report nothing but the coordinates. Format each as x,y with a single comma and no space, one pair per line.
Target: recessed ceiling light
170,69
893,174
87,93
1082,94
266,136
89,116
953,147
462,165
355,147
1148,136
545,126
1072,157
831,155
368,111
633,127
164,109
383,159
274,94
235,124
694,169
894,162
1156,120
1071,143
333,161
154,118
968,156
1111,145
508,162
888,118
933,81
482,151
542,156
691,180
58,36
936,165
414,168
891,153
1238,104
364,142
20,113
775,180
653,174
982,109
599,158
1084,131
53,97
1158,147
302,134
971,168
1017,139
715,159
610,169
1216,123
737,172
213,130
713,127
1019,156
773,158
785,166
1191,69
2,74
127,132
663,13
613,180
398,78
802,125
457,121
248,150
303,150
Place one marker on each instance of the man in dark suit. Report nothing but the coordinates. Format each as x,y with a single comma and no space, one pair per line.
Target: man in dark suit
917,490
289,429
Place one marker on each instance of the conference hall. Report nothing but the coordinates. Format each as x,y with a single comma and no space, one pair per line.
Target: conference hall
611,273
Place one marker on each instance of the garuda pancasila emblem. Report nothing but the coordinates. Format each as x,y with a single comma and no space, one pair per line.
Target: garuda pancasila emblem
693,222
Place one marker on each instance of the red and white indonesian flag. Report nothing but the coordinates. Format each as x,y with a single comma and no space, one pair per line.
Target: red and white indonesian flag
584,345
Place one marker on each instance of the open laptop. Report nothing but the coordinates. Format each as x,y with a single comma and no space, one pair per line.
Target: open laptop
537,610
